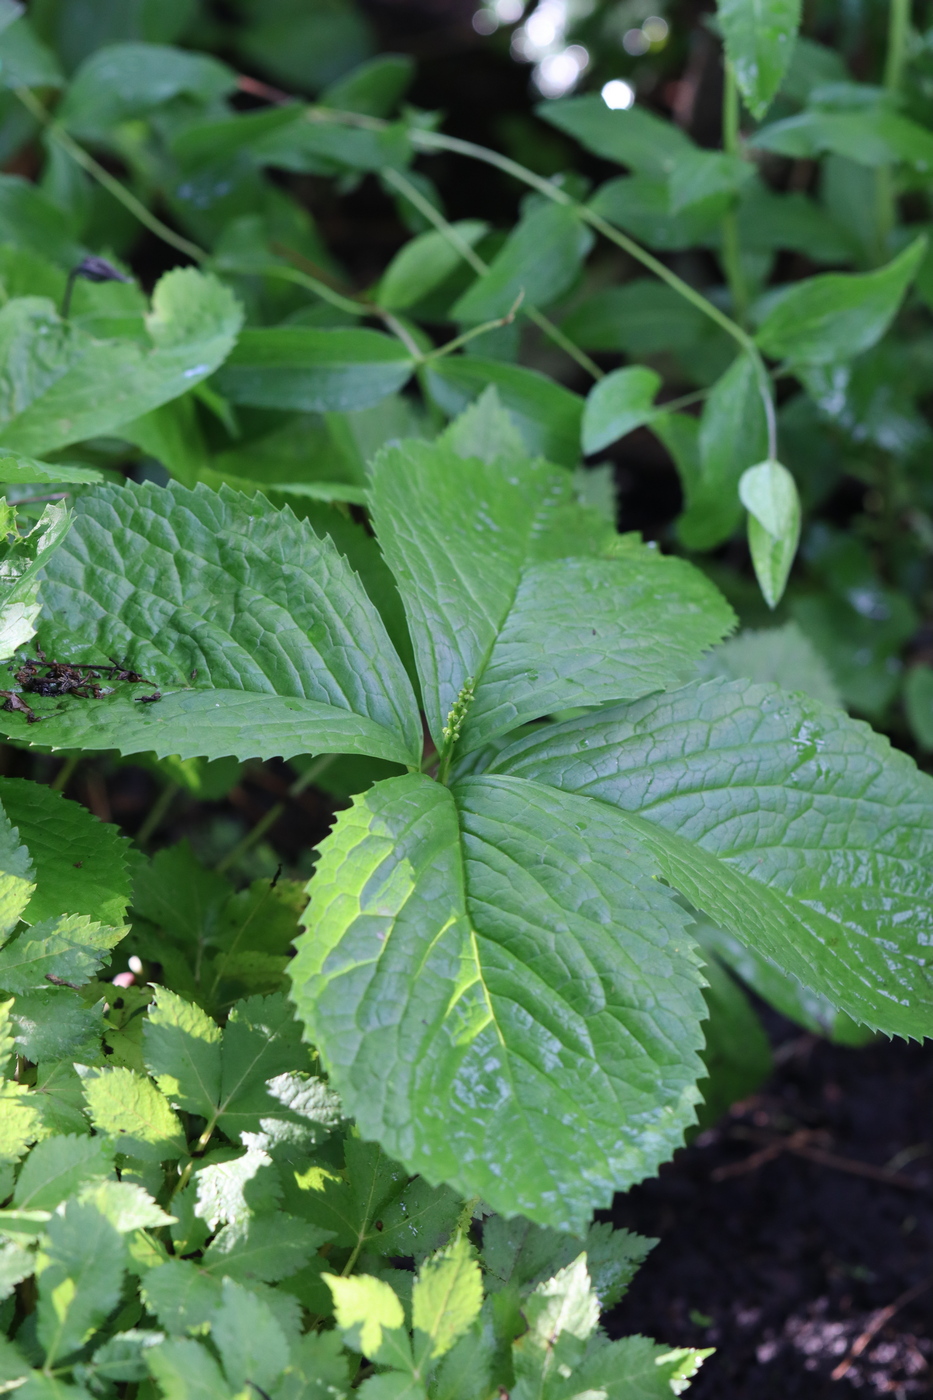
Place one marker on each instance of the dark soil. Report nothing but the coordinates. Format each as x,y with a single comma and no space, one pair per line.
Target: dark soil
784,1266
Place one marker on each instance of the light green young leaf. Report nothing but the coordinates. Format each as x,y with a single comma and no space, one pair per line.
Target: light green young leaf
182,1051
636,137
56,1168
16,1264
314,371
838,315
540,260
506,1069
445,1300
135,1116
256,629
618,404
21,1119
794,828
231,1186
128,1207
494,610
366,1309
80,860
79,1279
565,1303
759,37
423,264
183,1369
70,949
769,494
73,386
266,1247
17,877
253,1348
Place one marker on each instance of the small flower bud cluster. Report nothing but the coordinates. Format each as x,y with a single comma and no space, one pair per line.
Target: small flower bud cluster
451,730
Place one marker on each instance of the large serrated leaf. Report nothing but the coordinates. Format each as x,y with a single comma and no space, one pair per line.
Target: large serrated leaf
256,629
503,996
798,830
493,602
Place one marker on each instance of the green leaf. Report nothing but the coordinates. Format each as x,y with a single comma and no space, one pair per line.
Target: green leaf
29,219
618,404
24,60
123,1356
17,877
794,828
545,413
738,1053
352,1206
182,1049
21,1117
26,471
424,264
172,435
79,1284
733,436
73,386
445,1300
314,371
759,37
288,654
519,1253
782,655
504,1069
769,494
71,948
181,1295
21,559
373,88
636,137
80,861
128,1207
566,1303
57,1167
640,318
494,611
366,1309
918,702
540,261
641,205
697,175
252,1346
261,1046
122,81
838,315
16,1264
869,136
232,1185
266,1247
134,1114
185,1370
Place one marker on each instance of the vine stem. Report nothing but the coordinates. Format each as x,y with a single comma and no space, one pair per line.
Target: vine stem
157,813
898,25
731,252
80,156
257,832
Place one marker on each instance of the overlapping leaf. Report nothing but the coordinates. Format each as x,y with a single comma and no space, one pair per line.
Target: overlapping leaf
503,996
796,829
257,631
495,602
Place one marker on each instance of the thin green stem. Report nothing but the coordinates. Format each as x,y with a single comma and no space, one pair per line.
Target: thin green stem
731,251
300,279
898,25
87,162
464,339
424,206
269,819
157,813
65,774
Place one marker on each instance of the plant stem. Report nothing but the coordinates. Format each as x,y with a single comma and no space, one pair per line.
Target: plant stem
65,774
898,25
87,162
269,819
424,206
731,252
157,813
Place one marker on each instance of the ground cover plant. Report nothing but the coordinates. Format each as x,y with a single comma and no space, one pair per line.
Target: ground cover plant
350,1131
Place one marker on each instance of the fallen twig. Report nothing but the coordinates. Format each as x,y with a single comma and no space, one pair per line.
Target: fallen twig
882,1316
799,1143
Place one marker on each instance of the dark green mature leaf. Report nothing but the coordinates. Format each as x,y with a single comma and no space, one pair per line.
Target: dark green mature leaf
546,414
71,948
24,60
127,80
314,371
540,261
495,604
796,829
869,136
508,1067
59,384
266,1247
642,317
80,861
699,175
515,1252
636,138
56,1168
838,315
641,205
257,629
183,1053
759,37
